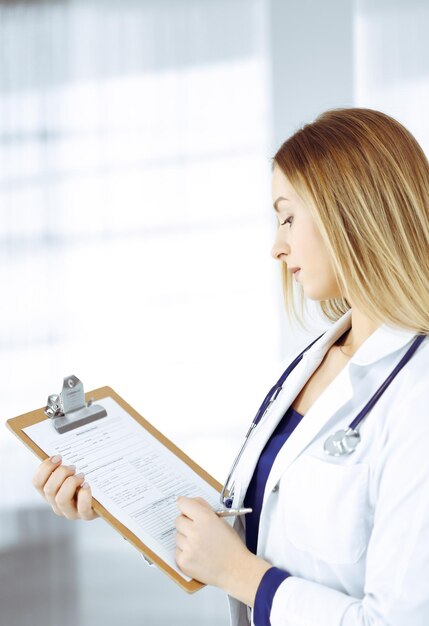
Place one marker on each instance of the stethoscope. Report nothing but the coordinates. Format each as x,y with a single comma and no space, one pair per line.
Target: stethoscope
342,442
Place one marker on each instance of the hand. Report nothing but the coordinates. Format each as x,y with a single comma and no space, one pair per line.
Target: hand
209,550
205,543
64,490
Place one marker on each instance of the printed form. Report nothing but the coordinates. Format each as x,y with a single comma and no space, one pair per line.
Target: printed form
131,474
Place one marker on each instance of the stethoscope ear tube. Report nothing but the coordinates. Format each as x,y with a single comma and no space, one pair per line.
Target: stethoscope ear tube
342,442
345,441
377,395
227,493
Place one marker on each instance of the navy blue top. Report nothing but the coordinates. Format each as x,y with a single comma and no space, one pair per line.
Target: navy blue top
256,488
254,496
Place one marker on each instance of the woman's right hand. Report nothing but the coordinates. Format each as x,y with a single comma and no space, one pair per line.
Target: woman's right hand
64,490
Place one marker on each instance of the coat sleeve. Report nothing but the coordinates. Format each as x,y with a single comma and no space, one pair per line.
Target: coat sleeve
396,590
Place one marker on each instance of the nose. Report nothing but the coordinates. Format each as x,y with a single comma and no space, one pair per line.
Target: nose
280,247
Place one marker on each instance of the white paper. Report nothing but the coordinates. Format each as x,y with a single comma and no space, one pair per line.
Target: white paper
131,474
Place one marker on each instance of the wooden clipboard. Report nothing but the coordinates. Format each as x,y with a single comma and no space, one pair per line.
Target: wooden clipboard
17,424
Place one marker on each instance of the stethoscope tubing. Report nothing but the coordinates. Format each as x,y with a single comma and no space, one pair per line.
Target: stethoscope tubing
266,403
372,401
352,428
276,389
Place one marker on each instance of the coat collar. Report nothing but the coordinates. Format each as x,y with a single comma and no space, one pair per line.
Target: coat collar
384,341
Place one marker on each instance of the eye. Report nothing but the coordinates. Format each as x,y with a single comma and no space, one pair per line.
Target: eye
287,221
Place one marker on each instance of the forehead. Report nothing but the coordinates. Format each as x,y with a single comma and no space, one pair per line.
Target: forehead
281,187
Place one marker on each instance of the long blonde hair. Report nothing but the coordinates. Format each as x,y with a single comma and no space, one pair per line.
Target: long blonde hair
366,180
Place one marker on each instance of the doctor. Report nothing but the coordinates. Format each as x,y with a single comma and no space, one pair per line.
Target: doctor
339,534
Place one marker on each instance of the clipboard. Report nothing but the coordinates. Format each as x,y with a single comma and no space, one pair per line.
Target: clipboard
17,424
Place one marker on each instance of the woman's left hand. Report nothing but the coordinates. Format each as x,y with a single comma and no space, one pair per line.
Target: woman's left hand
207,548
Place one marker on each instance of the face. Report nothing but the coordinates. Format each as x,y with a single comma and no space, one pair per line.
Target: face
299,242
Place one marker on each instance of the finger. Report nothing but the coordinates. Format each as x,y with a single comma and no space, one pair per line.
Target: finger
193,507
203,502
181,542
177,556
55,481
183,525
84,503
65,497
44,471
180,559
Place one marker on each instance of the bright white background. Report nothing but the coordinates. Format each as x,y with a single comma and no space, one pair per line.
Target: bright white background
136,220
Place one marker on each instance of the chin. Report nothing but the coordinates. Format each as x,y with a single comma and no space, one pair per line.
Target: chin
317,295
317,291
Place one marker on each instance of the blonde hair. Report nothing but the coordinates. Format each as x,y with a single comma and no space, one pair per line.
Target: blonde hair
366,180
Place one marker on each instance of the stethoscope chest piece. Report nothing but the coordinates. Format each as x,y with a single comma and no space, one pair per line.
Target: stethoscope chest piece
344,441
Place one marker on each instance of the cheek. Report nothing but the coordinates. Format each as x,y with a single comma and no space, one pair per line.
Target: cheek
317,248
312,248
318,279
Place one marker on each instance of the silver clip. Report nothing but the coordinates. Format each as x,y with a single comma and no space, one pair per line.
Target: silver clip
68,410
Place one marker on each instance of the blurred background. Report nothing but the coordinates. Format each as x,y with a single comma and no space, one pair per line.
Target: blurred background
136,225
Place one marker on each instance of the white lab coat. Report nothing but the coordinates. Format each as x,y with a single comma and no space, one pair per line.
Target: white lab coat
353,531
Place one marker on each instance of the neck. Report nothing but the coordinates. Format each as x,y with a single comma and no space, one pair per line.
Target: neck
361,328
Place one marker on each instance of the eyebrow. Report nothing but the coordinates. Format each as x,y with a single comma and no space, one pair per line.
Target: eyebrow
276,208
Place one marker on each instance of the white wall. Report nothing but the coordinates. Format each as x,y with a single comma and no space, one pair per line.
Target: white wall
392,61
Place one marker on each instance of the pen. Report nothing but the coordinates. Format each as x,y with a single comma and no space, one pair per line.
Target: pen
230,512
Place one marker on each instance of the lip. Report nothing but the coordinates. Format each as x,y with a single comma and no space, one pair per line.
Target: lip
292,270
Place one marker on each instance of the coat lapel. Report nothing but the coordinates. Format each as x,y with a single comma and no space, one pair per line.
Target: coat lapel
320,415
382,343
292,386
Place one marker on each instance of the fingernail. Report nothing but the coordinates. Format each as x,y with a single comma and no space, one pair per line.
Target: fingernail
85,485
56,458
72,468
80,475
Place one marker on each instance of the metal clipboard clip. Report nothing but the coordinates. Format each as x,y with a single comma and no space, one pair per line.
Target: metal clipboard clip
68,410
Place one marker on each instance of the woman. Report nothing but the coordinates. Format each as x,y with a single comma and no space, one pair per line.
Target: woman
338,539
